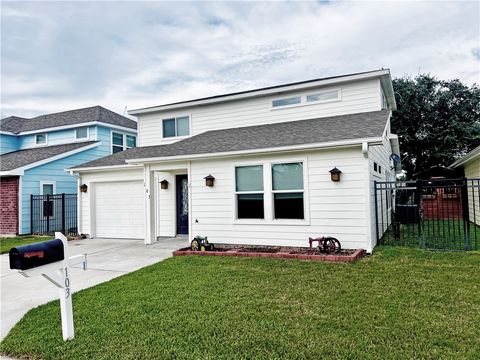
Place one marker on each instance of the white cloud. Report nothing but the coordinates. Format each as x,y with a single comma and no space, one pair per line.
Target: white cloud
116,54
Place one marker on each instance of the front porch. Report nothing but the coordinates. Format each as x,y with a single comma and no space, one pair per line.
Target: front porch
167,202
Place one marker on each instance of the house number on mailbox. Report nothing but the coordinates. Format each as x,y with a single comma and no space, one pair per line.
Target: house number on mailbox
67,284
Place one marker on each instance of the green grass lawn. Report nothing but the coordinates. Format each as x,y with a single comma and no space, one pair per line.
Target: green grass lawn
6,243
397,304
435,234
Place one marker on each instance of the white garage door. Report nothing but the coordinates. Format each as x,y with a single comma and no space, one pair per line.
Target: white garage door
119,210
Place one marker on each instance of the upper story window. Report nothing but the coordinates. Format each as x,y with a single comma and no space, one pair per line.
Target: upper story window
122,142
317,97
249,192
81,133
324,96
131,141
179,126
287,101
41,139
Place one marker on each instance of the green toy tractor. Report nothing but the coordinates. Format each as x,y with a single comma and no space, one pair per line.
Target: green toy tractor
200,243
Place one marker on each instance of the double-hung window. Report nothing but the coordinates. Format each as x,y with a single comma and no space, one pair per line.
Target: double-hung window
178,126
117,142
249,192
288,191
122,142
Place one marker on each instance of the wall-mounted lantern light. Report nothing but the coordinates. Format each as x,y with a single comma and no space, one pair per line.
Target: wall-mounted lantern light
209,180
164,184
83,188
335,174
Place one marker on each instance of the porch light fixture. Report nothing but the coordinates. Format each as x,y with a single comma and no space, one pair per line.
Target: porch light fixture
209,180
335,174
164,184
83,188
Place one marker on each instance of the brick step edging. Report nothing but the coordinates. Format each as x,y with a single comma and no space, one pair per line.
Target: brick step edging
359,253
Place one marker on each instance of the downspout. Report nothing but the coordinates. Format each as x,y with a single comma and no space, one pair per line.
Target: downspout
189,174
79,202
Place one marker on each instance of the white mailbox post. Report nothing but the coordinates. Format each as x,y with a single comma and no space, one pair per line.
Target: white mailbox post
58,273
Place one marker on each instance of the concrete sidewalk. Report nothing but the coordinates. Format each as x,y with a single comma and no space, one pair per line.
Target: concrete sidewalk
107,259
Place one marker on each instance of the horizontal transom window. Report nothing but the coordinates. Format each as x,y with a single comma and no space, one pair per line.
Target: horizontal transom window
323,96
316,97
287,101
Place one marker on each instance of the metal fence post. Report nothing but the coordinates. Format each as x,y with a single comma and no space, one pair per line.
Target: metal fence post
466,214
48,213
31,214
418,195
63,213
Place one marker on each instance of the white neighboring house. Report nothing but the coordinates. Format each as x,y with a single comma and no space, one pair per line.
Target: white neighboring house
270,152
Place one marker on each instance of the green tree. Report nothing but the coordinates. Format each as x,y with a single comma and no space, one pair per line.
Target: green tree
437,121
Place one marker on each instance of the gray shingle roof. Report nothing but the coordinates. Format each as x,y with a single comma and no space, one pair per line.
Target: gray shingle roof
16,159
322,130
16,124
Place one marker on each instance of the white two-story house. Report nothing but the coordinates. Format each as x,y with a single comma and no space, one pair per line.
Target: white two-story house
254,167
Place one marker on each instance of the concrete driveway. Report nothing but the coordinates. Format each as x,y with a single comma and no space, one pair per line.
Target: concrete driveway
107,259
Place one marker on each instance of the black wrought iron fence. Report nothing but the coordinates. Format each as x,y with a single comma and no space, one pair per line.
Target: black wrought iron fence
441,214
50,213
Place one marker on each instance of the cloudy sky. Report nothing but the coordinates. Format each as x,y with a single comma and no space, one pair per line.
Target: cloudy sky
63,55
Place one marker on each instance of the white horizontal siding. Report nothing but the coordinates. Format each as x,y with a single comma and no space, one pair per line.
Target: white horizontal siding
357,97
380,154
336,209
472,171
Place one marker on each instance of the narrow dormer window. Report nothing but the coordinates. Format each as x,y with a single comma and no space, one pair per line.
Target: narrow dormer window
178,126
323,96
81,133
287,101
41,139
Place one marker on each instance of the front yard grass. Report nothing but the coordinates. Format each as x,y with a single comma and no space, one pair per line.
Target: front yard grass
399,303
6,243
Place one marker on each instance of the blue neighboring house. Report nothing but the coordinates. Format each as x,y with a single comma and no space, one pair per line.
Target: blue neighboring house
34,154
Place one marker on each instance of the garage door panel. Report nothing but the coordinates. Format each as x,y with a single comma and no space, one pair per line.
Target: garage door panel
119,211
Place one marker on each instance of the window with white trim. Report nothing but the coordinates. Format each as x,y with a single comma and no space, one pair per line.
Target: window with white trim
48,207
287,101
178,126
41,139
249,192
288,191
122,141
324,96
81,133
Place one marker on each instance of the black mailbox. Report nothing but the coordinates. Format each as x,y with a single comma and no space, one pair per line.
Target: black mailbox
30,256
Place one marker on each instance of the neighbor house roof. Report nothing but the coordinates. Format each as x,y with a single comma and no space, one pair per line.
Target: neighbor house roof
28,158
474,154
383,74
279,136
18,125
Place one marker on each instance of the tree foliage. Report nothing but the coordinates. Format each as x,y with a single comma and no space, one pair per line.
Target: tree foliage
437,121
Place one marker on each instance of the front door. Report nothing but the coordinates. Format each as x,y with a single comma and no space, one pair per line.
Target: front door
182,204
